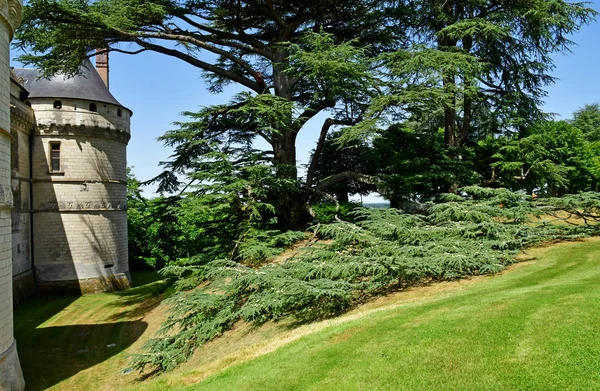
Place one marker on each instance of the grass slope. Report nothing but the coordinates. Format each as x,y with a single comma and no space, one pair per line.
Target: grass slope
537,327
534,327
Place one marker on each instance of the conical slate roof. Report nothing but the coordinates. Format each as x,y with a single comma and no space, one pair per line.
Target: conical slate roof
86,86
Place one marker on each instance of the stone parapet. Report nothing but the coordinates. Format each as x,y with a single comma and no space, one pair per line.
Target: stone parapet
76,114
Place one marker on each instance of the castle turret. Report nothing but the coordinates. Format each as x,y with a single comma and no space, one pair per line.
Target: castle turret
11,377
79,180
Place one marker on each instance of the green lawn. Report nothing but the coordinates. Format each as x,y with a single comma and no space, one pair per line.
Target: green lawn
533,328
70,343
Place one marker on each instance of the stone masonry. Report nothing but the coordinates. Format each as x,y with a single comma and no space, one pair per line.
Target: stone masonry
79,184
11,377
22,122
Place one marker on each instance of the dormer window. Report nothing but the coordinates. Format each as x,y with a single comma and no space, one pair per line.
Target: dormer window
93,107
57,104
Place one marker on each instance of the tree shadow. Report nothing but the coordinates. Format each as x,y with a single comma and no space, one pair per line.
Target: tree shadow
138,301
54,354
50,354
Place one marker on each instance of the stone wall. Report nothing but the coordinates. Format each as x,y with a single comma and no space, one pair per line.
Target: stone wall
11,377
76,113
21,125
80,210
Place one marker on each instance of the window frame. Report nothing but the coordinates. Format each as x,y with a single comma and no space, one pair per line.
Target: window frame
51,150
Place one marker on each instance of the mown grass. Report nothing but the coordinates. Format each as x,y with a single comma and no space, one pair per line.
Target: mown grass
536,327
74,343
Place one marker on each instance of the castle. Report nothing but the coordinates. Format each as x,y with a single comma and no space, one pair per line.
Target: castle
69,182
63,186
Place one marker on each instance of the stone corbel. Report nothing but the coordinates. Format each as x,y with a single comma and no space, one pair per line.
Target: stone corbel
15,13
11,13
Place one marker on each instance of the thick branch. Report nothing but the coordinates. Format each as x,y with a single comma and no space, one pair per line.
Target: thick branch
228,39
198,63
203,45
123,51
310,112
268,11
314,163
342,176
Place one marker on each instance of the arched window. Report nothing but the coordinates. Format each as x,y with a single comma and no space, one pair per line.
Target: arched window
93,107
119,113
57,104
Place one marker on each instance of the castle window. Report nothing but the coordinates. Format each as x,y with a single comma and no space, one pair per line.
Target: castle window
57,104
119,113
54,157
93,107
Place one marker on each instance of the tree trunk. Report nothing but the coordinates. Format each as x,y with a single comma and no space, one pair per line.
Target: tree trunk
291,205
284,148
342,193
467,43
448,78
449,127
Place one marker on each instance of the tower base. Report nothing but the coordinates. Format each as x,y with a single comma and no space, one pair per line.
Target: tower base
115,282
11,375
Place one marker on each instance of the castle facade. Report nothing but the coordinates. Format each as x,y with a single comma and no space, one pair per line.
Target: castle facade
63,187
11,376
69,177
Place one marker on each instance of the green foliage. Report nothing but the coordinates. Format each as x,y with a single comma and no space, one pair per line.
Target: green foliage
256,246
585,206
587,119
385,249
350,156
326,212
553,157
415,165
467,60
159,233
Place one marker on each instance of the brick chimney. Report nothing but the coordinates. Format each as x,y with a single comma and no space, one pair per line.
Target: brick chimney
102,64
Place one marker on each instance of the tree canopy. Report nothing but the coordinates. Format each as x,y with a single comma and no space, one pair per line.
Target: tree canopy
480,64
417,100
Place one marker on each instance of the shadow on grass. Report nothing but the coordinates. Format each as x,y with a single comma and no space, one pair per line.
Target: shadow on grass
131,307
97,328
53,354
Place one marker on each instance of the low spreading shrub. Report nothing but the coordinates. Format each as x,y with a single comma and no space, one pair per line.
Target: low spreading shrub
349,262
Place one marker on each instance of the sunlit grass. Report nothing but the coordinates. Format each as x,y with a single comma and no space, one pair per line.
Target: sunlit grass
537,327
534,327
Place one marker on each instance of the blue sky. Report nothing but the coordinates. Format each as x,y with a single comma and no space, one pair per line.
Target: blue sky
158,89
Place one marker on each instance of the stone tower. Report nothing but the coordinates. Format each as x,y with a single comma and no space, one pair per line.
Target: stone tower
11,377
79,179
